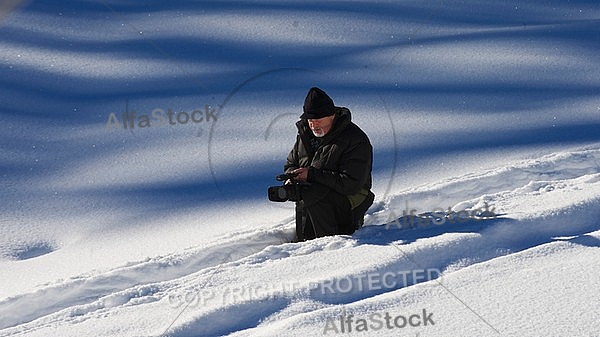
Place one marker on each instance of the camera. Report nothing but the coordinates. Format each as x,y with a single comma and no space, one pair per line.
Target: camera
289,192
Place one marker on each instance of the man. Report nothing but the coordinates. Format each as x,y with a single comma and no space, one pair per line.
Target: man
333,158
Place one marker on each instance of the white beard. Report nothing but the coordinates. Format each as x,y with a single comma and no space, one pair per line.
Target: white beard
318,133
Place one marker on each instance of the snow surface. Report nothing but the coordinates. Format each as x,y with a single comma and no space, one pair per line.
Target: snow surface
166,230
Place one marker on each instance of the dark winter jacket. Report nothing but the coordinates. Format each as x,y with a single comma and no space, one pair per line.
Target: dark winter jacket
341,160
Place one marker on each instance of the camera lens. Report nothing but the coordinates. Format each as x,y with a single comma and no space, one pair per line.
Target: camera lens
281,193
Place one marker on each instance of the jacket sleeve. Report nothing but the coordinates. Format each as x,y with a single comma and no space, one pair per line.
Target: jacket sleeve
292,162
353,171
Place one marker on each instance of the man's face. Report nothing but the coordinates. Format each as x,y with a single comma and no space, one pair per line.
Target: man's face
320,127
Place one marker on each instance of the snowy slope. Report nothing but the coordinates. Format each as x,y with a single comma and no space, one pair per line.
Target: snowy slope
528,260
165,230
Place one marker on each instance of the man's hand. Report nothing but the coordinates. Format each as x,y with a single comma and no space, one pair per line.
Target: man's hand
301,174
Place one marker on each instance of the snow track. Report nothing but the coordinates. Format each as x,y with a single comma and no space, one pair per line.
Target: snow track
485,109
111,288
247,274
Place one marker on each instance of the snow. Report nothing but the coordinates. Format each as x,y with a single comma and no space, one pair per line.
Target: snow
166,230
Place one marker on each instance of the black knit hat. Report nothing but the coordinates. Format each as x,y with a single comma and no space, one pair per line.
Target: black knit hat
317,104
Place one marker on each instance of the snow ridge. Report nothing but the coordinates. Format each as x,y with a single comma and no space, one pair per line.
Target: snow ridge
210,283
